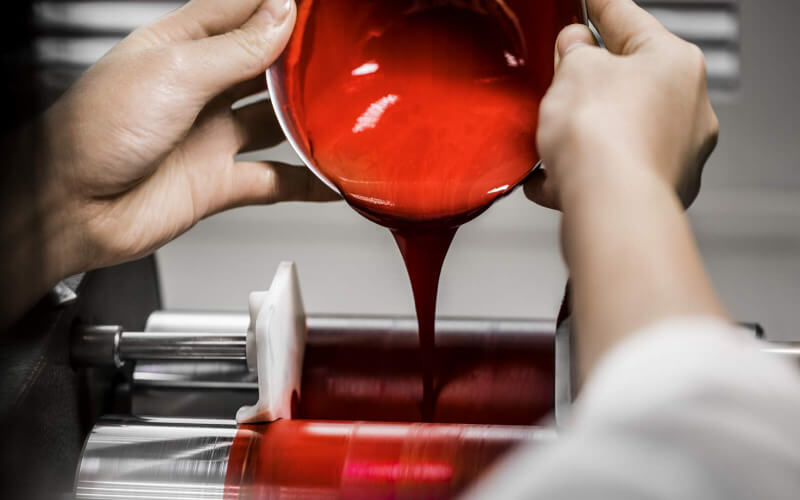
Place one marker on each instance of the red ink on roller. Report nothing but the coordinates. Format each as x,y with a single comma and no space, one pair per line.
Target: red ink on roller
362,461
497,376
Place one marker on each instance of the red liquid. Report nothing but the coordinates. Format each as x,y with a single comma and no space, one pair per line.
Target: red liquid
422,113
291,459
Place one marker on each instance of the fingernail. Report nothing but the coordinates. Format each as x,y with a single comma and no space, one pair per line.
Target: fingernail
573,46
278,10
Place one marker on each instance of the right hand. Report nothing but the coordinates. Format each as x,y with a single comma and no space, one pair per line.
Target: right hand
642,104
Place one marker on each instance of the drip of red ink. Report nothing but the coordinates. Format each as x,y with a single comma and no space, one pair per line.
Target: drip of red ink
421,113
424,252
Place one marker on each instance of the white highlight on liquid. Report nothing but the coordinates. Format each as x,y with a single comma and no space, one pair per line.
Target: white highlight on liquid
512,60
499,189
369,119
365,69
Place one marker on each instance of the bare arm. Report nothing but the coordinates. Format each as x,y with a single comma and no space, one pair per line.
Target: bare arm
633,260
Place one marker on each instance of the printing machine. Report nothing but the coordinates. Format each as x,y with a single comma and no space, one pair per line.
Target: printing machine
115,398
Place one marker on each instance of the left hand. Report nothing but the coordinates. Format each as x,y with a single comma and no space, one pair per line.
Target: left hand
143,146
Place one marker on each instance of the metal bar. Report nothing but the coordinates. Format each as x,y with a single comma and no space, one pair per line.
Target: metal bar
96,345
183,345
790,349
229,322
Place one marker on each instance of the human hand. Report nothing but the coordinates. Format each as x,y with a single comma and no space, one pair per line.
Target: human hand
641,107
142,147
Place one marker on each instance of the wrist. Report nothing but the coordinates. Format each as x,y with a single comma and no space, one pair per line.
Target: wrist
60,202
37,243
612,178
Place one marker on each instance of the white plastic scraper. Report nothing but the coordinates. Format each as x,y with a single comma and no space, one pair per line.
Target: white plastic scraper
276,341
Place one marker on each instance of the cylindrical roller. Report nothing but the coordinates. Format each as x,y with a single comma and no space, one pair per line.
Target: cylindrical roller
487,376
232,322
786,349
182,345
367,368
152,459
288,459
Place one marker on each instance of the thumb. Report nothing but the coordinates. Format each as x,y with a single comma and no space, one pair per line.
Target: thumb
216,63
572,37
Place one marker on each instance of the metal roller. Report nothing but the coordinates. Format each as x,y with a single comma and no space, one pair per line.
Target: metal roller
150,459
498,371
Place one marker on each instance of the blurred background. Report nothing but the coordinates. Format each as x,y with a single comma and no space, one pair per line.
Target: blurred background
507,262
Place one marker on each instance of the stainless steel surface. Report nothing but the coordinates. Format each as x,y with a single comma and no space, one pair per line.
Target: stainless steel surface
192,389
788,349
195,321
231,322
96,345
183,345
149,459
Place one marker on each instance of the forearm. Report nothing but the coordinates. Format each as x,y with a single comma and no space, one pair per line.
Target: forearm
632,258
38,244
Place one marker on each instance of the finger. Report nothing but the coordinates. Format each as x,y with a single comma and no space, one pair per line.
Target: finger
540,189
572,37
202,18
259,183
222,61
194,20
257,127
219,130
623,25
247,88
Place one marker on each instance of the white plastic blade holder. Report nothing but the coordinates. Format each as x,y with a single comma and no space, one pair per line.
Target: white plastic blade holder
276,341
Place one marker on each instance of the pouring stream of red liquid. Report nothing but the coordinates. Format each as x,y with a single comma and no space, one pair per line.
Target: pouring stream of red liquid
422,113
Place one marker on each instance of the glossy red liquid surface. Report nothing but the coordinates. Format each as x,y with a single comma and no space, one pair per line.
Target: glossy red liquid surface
502,377
291,459
422,113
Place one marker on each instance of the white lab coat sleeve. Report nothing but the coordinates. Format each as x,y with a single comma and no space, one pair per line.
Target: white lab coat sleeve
686,409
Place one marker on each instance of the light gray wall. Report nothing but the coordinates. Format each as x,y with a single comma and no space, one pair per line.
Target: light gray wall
507,262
